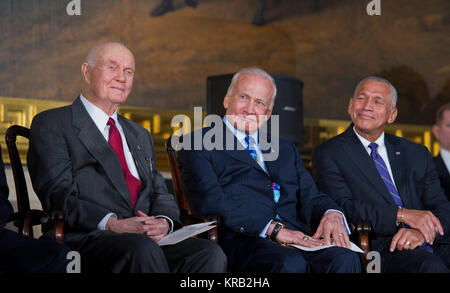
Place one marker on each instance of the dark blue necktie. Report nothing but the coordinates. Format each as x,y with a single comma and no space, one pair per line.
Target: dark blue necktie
251,147
384,173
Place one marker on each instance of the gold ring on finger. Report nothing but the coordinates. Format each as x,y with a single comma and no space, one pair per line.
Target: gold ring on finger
408,243
340,234
305,238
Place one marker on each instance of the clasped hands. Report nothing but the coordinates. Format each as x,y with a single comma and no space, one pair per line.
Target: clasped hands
423,226
155,228
331,226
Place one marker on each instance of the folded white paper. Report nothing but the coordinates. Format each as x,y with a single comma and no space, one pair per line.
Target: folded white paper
186,232
353,247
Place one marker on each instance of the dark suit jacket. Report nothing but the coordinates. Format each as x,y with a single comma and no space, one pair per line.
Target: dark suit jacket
343,169
229,183
5,206
443,173
74,169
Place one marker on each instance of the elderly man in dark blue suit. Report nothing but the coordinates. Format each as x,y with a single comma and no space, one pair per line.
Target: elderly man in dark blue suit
388,181
264,204
23,254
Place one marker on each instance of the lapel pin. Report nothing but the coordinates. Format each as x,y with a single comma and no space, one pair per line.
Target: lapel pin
139,147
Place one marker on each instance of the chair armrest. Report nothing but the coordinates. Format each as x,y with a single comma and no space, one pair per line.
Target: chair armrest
37,217
192,219
364,230
58,218
32,218
213,234
196,219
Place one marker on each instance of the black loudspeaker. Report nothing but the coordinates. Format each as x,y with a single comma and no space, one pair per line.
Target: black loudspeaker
288,103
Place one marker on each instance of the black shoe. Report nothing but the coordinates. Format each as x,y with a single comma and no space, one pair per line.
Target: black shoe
191,3
163,8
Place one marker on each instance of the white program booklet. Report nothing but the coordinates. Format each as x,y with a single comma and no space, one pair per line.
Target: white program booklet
353,247
186,232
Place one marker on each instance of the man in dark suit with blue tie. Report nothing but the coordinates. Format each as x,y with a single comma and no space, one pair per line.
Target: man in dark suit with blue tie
19,253
100,168
387,181
442,132
265,202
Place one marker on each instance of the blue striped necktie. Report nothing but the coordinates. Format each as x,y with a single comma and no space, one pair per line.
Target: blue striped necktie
384,173
251,147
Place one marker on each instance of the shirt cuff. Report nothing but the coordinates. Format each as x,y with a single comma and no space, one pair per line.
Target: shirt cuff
102,224
170,222
345,220
264,231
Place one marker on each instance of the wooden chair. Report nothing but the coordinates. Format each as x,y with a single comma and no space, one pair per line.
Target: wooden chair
26,217
186,216
361,231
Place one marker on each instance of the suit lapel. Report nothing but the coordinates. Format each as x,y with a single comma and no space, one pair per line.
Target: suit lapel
396,154
272,166
97,146
138,153
136,149
359,156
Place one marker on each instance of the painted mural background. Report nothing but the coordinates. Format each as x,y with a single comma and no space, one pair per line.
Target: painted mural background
328,44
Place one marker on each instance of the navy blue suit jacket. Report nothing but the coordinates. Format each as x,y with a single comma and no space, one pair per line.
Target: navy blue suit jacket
343,169
443,173
229,183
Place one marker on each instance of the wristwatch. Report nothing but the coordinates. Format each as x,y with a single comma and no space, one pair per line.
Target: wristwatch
276,230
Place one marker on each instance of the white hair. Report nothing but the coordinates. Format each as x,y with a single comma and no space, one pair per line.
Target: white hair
92,55
254,71
383,80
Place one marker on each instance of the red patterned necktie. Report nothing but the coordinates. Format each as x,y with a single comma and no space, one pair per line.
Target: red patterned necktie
115,141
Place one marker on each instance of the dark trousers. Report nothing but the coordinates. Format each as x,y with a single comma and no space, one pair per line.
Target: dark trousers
24,254
416,260
136,253
260,255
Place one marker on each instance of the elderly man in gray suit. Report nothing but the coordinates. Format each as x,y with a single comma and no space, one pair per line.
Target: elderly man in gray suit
100,168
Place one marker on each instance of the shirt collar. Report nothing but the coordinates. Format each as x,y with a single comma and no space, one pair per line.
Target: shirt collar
100,118
365,142
240,135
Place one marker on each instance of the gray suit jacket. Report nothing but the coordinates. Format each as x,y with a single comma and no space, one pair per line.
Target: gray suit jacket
73,168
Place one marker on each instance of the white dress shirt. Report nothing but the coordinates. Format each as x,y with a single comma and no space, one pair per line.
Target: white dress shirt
100,119
381,151
446,158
